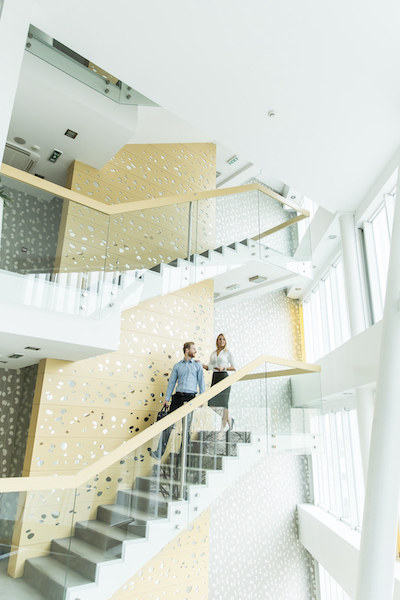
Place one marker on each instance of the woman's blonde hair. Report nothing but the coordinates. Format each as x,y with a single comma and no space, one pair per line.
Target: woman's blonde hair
226,342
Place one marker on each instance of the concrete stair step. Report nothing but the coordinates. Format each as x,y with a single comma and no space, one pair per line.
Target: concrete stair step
103,535
241,437
151,504
50,577
118,514
172,474
197,460
80,556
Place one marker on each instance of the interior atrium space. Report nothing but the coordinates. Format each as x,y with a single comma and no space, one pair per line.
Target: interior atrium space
199,294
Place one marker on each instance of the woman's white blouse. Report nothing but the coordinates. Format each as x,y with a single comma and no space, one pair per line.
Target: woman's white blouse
223,359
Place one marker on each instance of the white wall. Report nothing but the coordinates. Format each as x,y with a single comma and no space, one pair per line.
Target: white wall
335,546
352,365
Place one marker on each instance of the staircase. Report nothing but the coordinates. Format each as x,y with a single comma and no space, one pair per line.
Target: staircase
98,293
132,287
105,552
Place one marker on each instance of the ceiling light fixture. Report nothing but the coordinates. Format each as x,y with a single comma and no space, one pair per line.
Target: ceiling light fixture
31,348
19,140
271,114
234,286
15,355
232,160
71,134
297,289
332,237
257,279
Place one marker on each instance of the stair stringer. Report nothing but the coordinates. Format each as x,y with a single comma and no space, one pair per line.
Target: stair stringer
112,575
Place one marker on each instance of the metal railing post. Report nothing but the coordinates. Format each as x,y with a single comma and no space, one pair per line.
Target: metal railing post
183,458
190,230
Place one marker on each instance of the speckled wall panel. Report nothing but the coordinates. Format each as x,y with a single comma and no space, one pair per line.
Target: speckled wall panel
254,550
83,410
16,392
29,233
245,215
255,553
139,238
144,171
179,571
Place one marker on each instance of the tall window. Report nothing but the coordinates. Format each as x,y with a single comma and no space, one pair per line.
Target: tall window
336,468
329,589
326,322
377,233
312,209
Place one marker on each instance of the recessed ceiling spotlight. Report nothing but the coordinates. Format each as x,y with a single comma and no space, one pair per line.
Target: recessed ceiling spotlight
272,114
19,140
234,286
15,355
257,279
332,237
31,348
297,289
71,134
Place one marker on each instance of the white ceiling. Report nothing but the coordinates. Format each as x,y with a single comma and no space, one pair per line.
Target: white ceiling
328,70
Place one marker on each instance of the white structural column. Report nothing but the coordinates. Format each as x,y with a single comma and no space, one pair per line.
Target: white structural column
14,24
365,416
365,400
378,539
352,274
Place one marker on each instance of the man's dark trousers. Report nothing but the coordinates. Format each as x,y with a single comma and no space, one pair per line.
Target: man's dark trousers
177,400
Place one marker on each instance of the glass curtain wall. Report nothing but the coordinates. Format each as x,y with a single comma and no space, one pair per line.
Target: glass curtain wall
377,235
326,321
329,589
337,468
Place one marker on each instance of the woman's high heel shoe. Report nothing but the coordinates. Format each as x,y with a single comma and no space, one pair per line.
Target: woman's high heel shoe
232,422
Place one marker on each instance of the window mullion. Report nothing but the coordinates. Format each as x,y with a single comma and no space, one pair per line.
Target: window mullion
324,318
372,266
336,309
350,470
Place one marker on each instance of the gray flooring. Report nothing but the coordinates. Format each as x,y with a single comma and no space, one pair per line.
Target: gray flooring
15,589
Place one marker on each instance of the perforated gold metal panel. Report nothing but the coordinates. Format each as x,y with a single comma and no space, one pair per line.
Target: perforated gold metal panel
138,238
83,410
180,570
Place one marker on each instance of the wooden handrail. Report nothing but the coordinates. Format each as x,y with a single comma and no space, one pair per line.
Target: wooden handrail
114,209
49,482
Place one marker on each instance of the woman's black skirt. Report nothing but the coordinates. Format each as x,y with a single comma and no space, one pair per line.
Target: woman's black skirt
222,399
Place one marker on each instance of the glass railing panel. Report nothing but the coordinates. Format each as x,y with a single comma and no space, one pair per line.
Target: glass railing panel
117,520
288,248
124,258
33,564
65,59
52,251
293,402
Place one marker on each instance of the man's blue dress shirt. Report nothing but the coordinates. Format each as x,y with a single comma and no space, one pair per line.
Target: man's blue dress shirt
188,374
